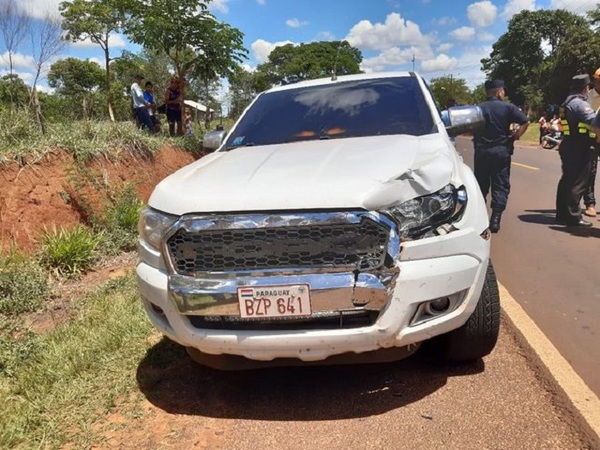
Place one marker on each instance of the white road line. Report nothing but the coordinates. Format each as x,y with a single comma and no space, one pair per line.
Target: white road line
581,398
525,166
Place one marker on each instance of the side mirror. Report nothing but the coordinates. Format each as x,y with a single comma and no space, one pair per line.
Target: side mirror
213,140
465,119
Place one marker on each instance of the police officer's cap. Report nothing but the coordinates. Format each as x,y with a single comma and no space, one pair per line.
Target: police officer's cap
494,84
578,82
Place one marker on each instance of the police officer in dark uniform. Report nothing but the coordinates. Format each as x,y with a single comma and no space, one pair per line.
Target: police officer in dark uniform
494,146
576,116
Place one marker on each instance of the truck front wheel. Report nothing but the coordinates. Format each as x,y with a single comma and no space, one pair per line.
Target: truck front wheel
478,336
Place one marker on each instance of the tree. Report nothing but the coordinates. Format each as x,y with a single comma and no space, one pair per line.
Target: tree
96,20
447,87
540,52
46,44
291,63
188,33
76,79
14,26
478,95
13,91
242,90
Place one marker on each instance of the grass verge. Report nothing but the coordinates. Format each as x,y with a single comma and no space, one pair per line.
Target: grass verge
55,385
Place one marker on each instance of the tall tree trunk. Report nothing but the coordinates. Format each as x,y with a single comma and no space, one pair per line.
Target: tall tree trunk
108,94
34,104
84,105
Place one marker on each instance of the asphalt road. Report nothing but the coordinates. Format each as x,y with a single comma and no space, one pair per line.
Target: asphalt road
552,271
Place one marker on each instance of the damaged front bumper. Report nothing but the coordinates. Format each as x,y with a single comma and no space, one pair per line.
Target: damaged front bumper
353,310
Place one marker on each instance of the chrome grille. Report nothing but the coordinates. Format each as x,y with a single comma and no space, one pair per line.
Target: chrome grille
358,245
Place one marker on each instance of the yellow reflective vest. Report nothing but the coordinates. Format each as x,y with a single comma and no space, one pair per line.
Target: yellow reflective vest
581,128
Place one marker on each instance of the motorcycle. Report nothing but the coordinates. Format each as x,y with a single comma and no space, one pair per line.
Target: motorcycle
551,139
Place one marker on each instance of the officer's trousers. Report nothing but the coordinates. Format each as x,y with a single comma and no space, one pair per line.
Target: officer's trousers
492,169
589,198
575,155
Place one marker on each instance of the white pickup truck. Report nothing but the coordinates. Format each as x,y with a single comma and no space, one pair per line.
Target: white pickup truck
334,222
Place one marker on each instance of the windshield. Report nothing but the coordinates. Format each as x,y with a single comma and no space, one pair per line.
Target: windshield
382,106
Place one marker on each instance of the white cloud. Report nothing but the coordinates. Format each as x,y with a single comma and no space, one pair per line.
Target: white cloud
443,48
395,57
219,5
516,6
463,33
19,61
261,2
381,36
444,21
295,23
43,88
469,65
25,76
40,9
262,49
114,40
483,36
441,62
482,14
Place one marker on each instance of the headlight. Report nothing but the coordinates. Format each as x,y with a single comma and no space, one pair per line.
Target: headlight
153,224
420,216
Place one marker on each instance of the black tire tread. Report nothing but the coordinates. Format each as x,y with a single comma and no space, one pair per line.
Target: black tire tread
478,336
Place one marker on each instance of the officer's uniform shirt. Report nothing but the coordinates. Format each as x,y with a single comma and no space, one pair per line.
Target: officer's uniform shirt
578,110
499,115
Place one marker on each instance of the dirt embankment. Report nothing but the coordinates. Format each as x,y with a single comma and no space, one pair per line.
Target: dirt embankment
56,190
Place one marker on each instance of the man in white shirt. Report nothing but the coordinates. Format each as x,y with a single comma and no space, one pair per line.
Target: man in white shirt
140,106
589,199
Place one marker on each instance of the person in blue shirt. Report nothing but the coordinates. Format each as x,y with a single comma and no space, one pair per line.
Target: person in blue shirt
578,121
149,97
140,106
494,146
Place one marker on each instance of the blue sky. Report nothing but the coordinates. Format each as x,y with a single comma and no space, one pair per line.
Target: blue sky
444,36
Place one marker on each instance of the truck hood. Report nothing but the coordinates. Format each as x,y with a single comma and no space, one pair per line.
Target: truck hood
369,173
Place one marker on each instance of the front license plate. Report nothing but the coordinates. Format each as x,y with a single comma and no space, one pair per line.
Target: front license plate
274,301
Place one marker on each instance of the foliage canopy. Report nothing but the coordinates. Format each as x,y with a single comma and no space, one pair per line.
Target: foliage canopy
539,54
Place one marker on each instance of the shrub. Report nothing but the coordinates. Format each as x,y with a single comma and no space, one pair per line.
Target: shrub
69,252
23,285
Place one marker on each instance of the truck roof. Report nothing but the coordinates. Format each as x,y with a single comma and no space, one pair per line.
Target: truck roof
341,79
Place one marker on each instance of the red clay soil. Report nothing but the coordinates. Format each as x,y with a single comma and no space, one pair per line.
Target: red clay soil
37,196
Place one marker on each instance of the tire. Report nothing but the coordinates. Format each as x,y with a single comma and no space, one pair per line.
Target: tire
548,145
478,336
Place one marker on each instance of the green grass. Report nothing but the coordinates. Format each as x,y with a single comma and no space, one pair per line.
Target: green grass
119,225
532,134
58,384
69,252
23,284
22,141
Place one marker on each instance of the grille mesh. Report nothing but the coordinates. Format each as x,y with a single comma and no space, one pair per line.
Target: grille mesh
361,245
